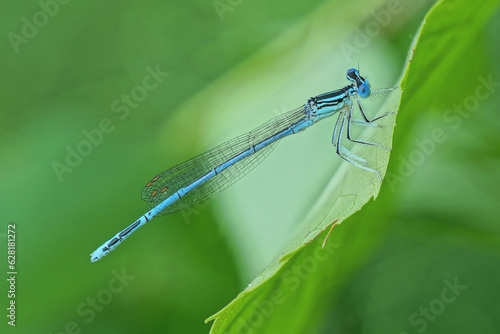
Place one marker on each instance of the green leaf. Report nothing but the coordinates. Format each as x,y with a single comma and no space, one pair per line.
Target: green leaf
448,31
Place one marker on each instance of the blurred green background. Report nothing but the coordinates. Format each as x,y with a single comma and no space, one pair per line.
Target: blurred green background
222,68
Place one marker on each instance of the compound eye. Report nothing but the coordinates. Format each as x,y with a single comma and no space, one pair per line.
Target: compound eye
364,90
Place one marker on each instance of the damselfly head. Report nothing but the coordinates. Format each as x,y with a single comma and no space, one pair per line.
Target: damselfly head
362,84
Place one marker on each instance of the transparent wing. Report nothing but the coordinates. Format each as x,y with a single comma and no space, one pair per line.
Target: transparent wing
168,182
